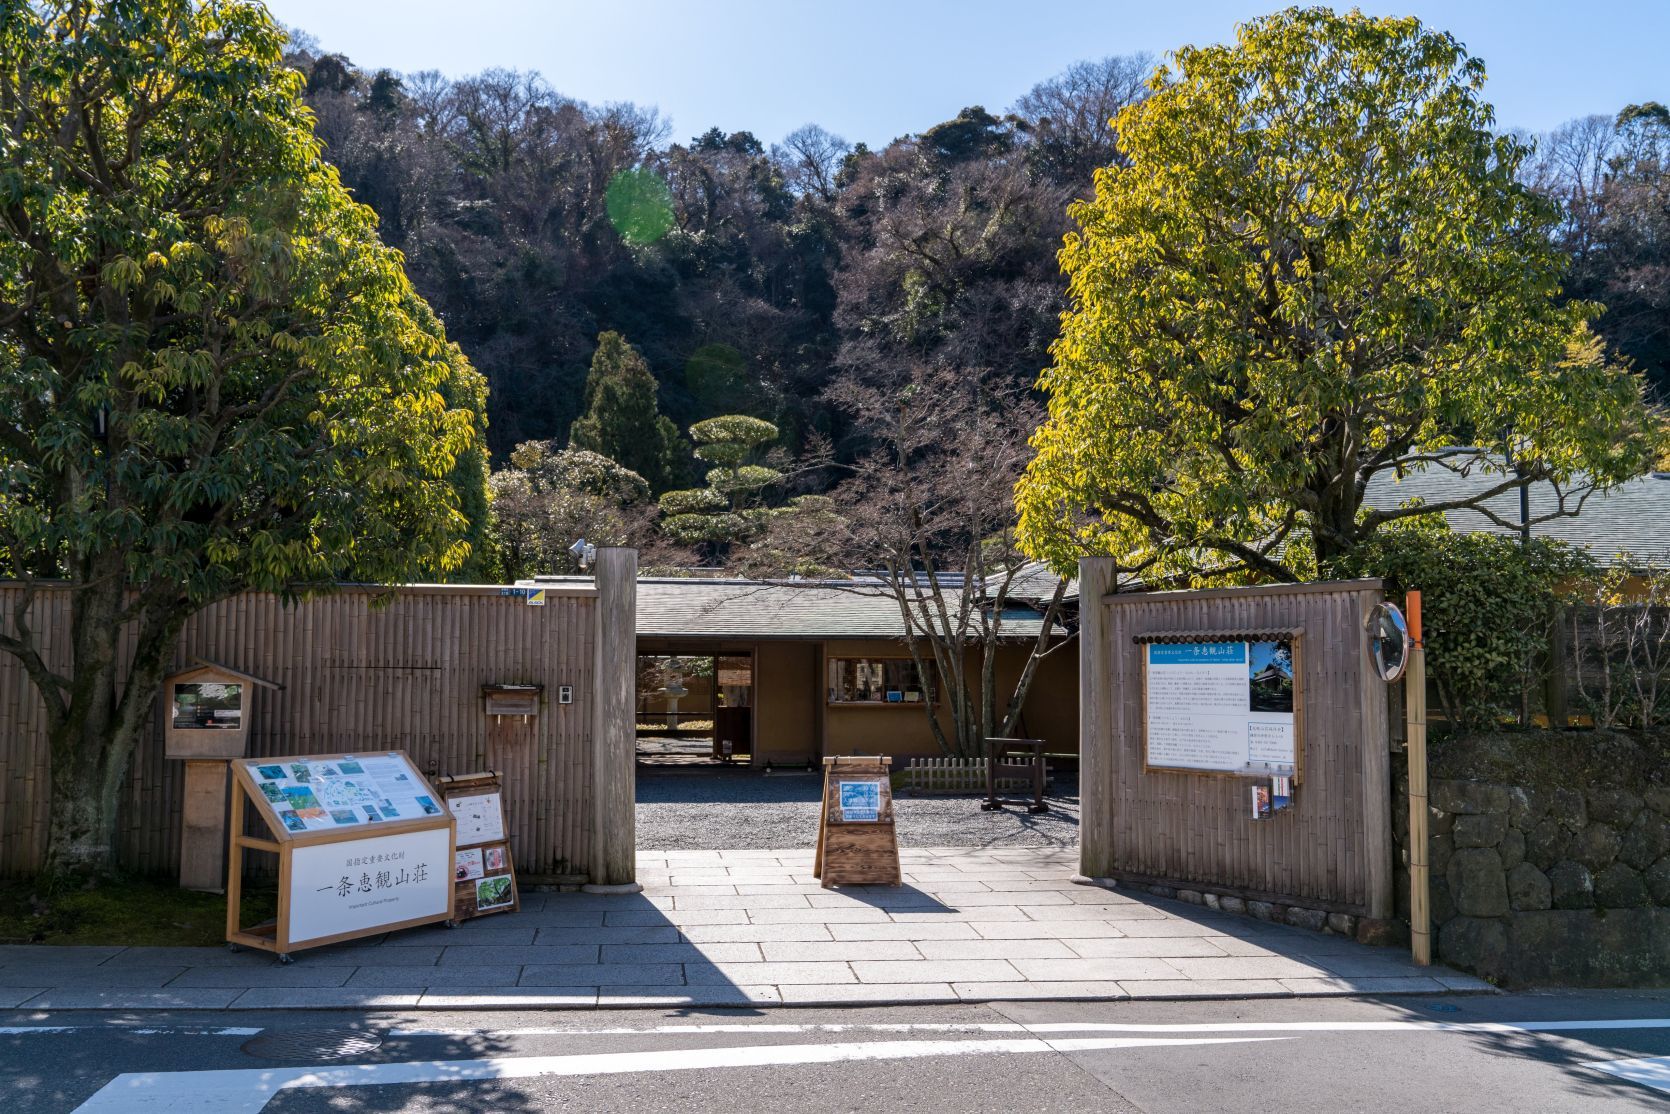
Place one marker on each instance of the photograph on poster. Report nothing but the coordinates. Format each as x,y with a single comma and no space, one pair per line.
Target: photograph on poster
1270,677
208,705
495,858
860,800
494,893
271,773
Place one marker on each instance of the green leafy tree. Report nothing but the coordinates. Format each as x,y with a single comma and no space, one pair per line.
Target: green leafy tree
622,420
728,511
1487,606
215,377
1318,266
549,498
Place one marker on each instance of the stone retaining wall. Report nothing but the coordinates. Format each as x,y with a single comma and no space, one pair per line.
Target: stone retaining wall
1538,884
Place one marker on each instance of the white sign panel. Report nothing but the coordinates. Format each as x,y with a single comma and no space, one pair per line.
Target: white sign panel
359,885
480,818
1221,706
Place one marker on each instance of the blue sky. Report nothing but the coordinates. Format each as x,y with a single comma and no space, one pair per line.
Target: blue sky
872,70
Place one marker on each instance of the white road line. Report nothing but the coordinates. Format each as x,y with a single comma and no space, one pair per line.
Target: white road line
247,1090
828,1027
145,1031
1651,1071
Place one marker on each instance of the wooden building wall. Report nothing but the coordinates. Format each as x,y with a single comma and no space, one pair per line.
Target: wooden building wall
404,676
1333,848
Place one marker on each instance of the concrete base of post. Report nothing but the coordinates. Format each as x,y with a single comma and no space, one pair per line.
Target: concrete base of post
623,888
1086,880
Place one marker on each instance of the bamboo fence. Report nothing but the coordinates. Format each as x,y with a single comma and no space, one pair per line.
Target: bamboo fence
1333,849
361,669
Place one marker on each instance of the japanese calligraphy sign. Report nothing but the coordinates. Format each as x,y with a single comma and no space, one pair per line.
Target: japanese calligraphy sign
360,885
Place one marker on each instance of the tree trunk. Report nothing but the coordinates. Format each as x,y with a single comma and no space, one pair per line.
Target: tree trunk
89,759
102,722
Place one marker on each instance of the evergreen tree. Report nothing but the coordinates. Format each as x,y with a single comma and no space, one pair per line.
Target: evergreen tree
622,420
725,513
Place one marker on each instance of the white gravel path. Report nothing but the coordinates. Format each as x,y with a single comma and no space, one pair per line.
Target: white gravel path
711,809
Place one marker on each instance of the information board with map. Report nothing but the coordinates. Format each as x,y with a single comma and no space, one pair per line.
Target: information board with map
365,845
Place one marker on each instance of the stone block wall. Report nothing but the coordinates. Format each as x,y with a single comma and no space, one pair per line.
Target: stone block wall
1539,879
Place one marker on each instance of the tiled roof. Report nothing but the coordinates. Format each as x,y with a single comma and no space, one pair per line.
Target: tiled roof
1633,517
676,607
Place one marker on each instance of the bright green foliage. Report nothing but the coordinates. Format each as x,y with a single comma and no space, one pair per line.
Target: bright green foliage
699,500
622,420
1486,605
1317,266
548,499
215,377
724,513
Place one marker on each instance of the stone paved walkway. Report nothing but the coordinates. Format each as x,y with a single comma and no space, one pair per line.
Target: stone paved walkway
726,928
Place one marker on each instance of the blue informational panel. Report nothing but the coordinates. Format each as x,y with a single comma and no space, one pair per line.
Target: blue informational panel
860,800
1223,707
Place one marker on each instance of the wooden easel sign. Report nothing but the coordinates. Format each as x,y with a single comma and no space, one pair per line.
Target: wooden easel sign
857,841
363,847
484,874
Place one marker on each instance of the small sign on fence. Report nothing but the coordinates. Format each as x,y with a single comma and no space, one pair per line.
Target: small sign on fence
483,871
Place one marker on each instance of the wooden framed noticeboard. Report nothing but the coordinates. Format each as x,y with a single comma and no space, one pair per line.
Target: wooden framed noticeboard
363,843
1229,705
857,841
484,873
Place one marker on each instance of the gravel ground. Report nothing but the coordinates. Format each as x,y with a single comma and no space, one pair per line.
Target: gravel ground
678,809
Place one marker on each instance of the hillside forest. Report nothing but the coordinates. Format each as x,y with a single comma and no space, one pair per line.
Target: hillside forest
578,251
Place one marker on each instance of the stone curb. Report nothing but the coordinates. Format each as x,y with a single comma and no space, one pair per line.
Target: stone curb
274,1000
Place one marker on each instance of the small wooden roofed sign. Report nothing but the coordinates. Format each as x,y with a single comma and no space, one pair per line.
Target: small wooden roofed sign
208,710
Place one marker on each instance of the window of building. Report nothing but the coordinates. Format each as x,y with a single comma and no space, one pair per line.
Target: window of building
875,681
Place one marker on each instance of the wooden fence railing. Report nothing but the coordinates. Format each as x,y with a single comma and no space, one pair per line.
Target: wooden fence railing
928,776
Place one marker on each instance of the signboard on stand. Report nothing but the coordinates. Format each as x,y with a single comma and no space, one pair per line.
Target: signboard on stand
483,872
857,842
363,841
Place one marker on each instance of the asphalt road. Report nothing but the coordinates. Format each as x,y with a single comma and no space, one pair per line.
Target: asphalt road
1520,1053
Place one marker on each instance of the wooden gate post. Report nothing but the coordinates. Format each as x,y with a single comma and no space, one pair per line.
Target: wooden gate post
203,825
1097,704
1420,897
613,866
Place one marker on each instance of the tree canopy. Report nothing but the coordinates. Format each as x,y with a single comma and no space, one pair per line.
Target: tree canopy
1316,265
623,420
216,377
